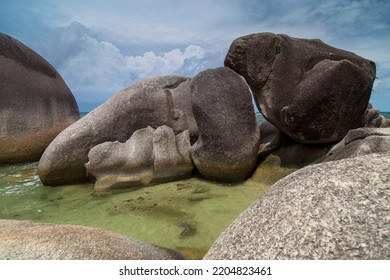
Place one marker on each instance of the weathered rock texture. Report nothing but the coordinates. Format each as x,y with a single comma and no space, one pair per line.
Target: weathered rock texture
290,153
335,210
359,142
373,118
228,133
150,156
311,91
152,102
28,240
36,104
271,139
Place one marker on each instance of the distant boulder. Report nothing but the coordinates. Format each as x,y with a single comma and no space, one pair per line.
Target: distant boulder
152,102
28,240
373,118
150,156
36,104
333,210
311,91
229,137
359,142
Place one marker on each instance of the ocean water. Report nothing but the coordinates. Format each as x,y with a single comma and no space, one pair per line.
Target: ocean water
386,114
186,215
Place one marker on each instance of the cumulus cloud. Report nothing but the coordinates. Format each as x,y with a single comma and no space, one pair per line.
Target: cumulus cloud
99,68
120,41
170,62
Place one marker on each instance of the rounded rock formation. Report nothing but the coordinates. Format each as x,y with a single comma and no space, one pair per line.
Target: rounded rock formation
359,142
152,102
333,210
309,90
150,156
28,240
36,104
229,137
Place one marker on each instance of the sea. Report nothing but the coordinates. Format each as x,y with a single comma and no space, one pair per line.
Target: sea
187,215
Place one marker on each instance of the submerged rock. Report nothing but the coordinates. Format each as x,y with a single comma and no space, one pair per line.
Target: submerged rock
311,91
152,102
28,240
150,156
228,142
334,210
36,104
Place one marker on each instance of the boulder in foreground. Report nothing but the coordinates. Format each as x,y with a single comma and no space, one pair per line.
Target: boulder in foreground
28,240
333,210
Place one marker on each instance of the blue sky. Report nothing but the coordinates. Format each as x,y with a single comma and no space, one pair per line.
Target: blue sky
100,47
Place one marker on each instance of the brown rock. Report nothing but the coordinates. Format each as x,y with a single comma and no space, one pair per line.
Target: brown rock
228,142
36,104
311,91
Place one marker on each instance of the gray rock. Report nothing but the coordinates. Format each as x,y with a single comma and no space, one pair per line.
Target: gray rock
229,137
36,104
271,139
152,102
335,210
359,142
28,240
289,153
373,118
311,91
149,157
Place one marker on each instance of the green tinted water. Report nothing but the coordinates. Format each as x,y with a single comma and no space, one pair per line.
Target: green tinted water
186,215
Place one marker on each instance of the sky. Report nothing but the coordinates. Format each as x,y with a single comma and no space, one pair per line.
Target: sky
100,47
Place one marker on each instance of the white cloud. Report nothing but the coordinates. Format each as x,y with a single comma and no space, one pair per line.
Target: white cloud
125,40
100,69
150,64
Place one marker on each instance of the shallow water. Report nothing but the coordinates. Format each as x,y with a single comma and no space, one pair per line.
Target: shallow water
186,215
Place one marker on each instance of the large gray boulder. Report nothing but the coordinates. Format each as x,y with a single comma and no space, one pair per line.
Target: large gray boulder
229,136
359,142
36,104
28,240
334,210
311,91
150,156
152,102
